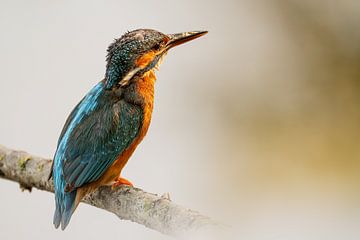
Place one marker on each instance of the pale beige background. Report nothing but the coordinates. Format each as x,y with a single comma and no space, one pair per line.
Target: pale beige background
256,124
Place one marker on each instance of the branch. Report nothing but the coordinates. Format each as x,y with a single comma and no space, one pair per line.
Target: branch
132,204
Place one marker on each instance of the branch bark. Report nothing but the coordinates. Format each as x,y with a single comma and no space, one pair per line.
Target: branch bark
132,204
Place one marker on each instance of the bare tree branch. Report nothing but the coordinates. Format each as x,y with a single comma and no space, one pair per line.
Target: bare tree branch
133,204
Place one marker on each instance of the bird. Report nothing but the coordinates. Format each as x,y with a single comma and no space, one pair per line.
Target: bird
106,126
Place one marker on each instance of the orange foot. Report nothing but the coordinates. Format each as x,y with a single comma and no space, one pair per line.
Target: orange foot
121,181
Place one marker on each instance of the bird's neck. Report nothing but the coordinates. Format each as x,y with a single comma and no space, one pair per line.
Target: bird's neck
144,88
114,73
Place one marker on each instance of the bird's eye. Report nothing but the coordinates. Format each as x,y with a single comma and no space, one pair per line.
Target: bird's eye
157,47
161,44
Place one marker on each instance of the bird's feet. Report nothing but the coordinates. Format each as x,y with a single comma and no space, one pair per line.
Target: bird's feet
121,181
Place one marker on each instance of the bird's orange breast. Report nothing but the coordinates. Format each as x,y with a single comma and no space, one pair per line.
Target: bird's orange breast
145,88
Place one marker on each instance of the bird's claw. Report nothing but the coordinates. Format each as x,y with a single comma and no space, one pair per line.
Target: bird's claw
121,181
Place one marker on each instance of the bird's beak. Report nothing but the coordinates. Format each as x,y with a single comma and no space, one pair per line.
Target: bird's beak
180,38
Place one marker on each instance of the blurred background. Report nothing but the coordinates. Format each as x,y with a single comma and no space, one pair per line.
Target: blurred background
256,124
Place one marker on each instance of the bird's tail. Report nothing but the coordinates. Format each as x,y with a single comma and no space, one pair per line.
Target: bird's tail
65,207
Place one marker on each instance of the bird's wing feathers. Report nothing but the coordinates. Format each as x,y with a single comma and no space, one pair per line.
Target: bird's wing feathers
97,140
65,128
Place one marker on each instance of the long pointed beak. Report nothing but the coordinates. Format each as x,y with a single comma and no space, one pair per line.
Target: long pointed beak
180,38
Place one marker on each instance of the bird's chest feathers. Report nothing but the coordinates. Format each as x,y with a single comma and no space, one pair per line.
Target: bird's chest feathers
145,88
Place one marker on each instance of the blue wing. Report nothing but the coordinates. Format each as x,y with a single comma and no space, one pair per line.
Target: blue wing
93,143
98,140
99,128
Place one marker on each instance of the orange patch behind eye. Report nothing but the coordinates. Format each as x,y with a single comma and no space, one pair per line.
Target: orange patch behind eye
166,39
145,59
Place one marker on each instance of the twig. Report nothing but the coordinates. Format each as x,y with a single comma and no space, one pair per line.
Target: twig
133,204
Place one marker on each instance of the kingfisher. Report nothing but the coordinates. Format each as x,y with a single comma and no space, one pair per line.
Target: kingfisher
106,126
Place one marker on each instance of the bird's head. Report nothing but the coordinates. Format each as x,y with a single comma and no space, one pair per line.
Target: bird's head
139,51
